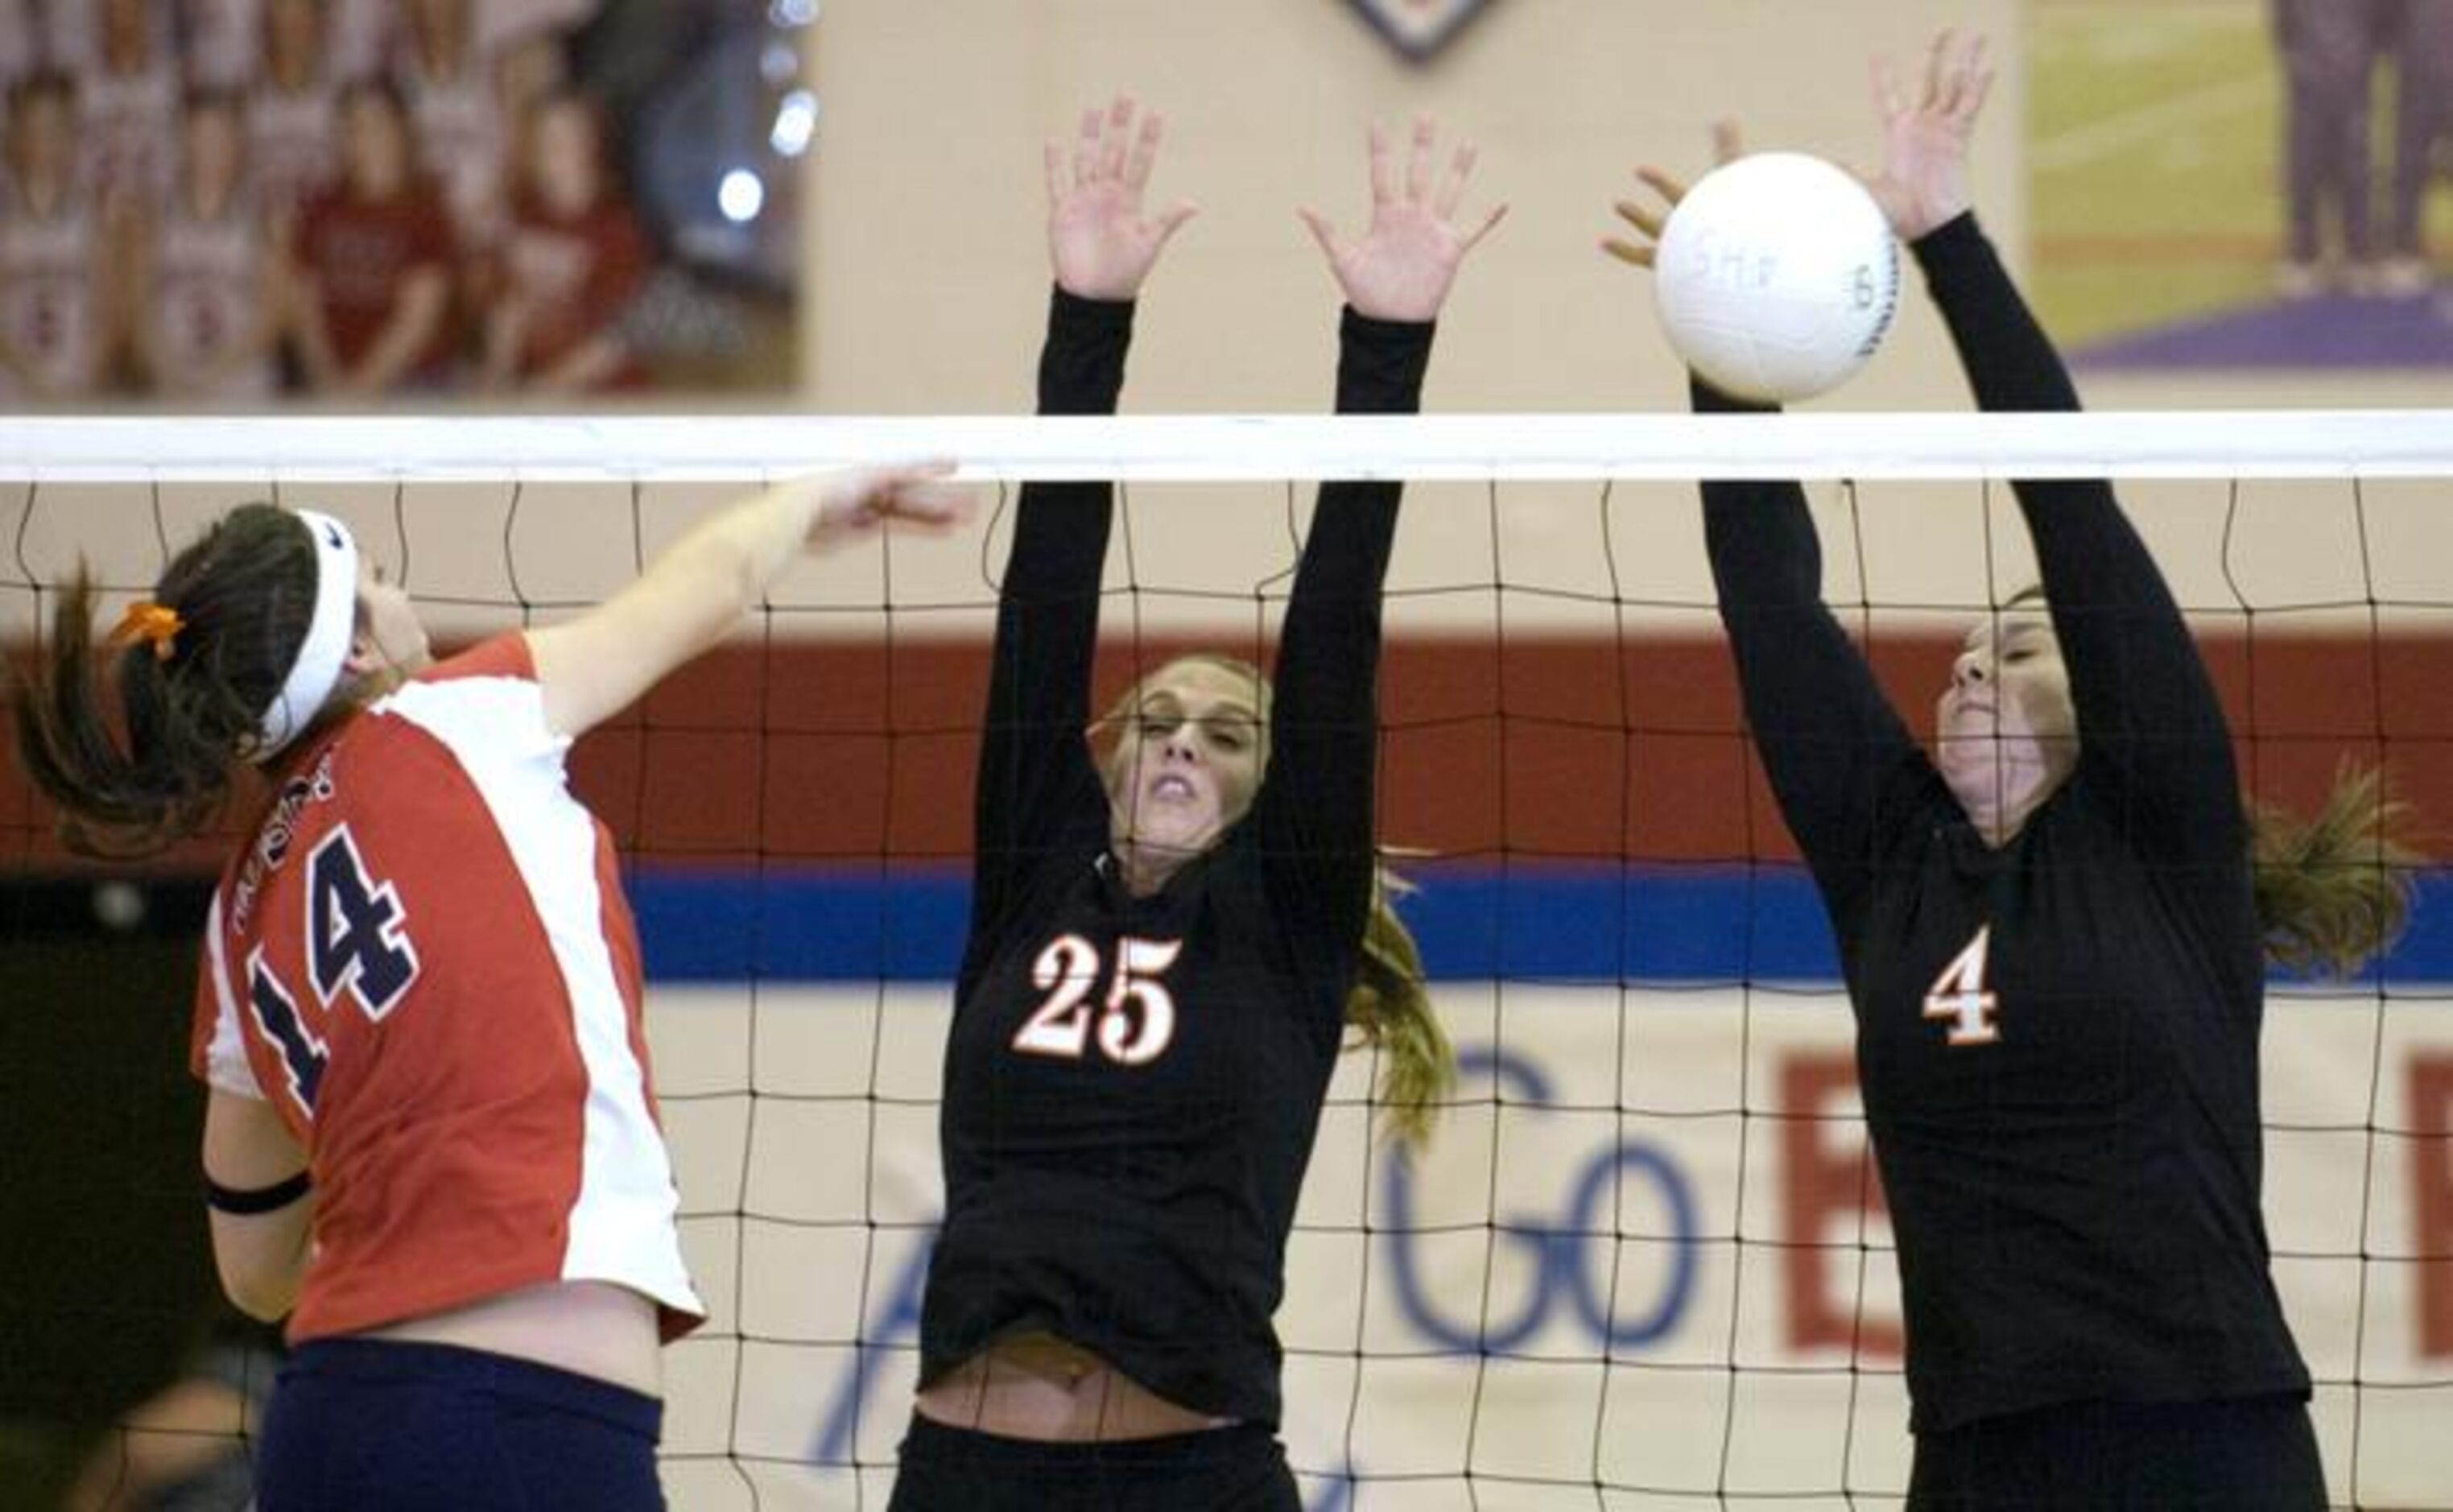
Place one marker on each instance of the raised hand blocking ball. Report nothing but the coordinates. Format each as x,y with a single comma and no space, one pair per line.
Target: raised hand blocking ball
1776,276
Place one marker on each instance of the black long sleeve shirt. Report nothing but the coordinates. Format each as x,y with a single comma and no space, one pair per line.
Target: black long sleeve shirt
2076,1203
1140,1206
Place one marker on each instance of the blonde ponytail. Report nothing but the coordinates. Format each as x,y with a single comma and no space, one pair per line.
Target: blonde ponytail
1391,1006
2334,892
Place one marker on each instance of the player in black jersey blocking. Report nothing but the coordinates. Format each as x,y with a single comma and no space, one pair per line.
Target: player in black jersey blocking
2054,931
1168,943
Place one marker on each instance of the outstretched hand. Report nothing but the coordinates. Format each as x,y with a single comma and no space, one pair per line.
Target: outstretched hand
1100,244
1924,182
1402,267
1646,218
854,502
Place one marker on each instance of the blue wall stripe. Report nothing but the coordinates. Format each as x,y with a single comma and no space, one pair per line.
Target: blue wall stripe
1542,922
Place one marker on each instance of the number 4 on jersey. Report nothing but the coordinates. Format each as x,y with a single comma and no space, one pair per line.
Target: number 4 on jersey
353,929
1959,995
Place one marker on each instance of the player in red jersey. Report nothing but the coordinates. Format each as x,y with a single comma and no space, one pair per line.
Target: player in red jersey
432,1137
372,256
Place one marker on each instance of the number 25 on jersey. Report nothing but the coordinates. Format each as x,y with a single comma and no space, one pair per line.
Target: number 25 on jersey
1136,1020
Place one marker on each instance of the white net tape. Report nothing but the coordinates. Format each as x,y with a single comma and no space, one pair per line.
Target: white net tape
2248,445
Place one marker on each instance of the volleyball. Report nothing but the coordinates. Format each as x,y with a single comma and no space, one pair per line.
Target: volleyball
1776,276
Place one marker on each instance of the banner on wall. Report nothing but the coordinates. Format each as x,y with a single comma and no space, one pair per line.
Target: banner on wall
2242,187
1640,1189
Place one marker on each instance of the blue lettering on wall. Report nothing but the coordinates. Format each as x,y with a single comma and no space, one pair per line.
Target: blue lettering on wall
1574,1250
1567,1250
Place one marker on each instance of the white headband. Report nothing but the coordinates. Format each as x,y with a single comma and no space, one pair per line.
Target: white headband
317,671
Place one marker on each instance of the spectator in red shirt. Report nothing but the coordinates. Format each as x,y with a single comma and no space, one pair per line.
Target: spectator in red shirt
574,262
373,253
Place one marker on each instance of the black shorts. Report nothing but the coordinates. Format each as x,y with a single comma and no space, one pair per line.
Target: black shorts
1236,1470
2258,1454
375,1425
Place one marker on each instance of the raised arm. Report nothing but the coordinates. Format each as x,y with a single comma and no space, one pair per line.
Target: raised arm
1035,773
597,665
2150,724
1316,805
1829,737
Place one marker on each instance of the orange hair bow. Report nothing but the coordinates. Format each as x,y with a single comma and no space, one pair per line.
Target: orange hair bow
156,625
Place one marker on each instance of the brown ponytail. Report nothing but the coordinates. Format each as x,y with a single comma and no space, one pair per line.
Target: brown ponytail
188,702
2334,892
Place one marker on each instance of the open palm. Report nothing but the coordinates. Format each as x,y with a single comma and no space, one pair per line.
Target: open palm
1924,182
1402,266
1099,242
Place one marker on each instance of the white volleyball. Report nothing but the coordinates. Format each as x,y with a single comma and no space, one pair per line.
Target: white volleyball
1777,276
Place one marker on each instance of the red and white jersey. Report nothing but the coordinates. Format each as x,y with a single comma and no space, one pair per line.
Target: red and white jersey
127,124
291,151
205,304
50,297
425,961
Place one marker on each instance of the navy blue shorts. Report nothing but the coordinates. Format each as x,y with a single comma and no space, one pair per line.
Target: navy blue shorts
2258,1454
375,1425
1238,1469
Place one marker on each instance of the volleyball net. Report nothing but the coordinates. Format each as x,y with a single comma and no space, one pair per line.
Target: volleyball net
1644,1262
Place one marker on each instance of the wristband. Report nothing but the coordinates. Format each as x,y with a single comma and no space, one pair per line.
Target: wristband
251,1200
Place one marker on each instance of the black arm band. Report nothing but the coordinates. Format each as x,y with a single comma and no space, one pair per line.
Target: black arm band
255,1200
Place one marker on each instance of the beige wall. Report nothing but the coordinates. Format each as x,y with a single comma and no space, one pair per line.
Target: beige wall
926,262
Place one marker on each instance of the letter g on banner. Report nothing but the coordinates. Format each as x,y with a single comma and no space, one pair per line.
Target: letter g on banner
1574,1255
